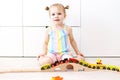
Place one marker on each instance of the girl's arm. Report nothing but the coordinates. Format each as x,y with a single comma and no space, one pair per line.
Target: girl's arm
73,42
45,44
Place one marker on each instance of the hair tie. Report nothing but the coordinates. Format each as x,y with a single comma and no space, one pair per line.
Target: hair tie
66,7
47,8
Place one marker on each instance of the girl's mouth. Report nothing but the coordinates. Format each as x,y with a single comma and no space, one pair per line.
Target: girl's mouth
56,20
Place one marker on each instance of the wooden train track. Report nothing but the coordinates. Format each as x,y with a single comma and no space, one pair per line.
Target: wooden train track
77,66
60,67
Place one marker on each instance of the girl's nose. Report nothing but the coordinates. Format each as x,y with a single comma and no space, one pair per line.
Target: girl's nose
56,15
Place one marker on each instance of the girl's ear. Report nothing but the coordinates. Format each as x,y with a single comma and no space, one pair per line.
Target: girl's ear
65,15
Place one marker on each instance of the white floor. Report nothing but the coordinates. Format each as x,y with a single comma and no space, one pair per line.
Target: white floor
6,63
95,75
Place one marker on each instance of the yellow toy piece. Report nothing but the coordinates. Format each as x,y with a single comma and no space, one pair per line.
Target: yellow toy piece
100,66
112,67
83,62
98,61
118,69
57,78
93,66
45,66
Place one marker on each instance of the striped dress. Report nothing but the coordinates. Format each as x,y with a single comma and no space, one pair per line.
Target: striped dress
58,41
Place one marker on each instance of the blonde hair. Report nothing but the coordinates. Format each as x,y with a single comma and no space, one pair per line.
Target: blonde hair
58,5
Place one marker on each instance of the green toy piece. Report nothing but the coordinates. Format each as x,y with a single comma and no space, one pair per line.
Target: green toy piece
45,66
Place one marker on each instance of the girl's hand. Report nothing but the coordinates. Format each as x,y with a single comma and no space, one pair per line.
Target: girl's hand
80,54
39,56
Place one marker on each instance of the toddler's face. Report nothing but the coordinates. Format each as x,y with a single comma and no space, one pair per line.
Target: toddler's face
57,15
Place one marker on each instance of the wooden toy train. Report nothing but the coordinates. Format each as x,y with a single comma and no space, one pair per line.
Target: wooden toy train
86,66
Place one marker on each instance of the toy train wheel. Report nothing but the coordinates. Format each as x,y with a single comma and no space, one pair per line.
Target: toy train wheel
89,66
117,70
93,67
85,65
98,67
48,67
65,60
113,69
81,63
104,67
61,62
52,65
56,63
42,68
108,68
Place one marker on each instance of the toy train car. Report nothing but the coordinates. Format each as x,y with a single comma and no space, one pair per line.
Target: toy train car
112,67
73,60
84,63
45,66
66,60
91,65
99,66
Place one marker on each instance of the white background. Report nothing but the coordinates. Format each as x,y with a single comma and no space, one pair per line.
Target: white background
22,25
97,22
100,27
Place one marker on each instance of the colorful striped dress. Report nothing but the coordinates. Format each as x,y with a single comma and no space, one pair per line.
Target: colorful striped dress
58,41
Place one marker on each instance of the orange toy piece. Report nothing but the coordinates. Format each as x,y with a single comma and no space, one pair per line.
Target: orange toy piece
57,78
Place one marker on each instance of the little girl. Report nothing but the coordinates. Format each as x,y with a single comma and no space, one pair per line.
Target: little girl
58,37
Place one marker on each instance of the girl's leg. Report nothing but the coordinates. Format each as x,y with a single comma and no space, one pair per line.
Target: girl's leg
66,56
47,59
44,60
78,57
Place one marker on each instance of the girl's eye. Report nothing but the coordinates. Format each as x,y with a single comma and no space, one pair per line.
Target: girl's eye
59,13
53,14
